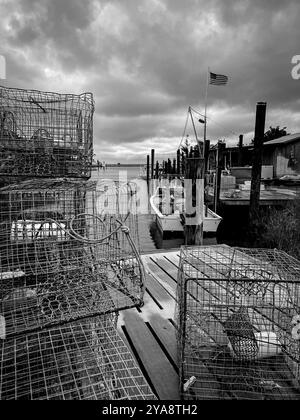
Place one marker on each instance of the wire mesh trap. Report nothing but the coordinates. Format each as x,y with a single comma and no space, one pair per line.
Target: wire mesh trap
62,256
45,134
82,360
238,317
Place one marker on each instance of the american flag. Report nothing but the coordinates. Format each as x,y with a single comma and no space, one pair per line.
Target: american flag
217,79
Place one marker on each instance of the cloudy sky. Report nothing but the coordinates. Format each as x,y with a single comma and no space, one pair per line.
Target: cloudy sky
146,61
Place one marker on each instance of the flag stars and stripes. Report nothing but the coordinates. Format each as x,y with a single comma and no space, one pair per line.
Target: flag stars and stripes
217,79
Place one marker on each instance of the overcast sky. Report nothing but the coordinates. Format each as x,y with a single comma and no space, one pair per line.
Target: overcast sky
146,61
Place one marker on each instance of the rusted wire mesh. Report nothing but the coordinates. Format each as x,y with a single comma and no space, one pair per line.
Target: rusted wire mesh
80,360
45,134
65,253
238,323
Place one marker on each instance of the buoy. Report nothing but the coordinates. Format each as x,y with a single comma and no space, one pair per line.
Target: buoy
267,346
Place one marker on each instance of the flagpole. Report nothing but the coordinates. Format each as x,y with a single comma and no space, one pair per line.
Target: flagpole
205,111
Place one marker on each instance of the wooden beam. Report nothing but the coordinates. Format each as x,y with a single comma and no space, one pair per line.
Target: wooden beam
152,163
257,161
194,201
178,162
157,170
219,167
148,169
206,155
240,155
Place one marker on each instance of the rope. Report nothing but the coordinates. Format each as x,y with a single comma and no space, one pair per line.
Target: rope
125,229
183,134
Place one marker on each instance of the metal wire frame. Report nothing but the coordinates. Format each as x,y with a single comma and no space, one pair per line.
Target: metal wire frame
80,360
45,134
61,258
238,316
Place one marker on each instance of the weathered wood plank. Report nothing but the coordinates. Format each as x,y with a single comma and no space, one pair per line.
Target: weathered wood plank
161,277
167,267
167,334
157,365
157,290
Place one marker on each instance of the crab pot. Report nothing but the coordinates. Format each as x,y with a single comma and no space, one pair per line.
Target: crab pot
81,360
238,317
63,256
45,134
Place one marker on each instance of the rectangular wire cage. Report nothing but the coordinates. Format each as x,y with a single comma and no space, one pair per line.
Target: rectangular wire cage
63,256
238,317
80,360
45,134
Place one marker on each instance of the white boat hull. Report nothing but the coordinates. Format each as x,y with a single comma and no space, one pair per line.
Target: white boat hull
172,222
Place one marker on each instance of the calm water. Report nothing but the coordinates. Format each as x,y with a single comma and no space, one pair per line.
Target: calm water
150,236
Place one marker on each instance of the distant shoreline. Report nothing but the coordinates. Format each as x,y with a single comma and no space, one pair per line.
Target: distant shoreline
121,165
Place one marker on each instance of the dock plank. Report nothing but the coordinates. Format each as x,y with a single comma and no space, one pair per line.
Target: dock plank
167,267
157,290
163,376
161,277
166,332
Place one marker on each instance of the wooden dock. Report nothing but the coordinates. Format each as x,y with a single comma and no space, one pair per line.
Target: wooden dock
150,334
150,331
268,197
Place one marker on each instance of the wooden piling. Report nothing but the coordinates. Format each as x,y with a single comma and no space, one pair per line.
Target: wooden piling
257,161
169,170
152,163
174,167
206,155
157,170
148,169
219,168
194,197
240,155
178,164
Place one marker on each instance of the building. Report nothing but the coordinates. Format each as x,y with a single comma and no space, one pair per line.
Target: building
284,154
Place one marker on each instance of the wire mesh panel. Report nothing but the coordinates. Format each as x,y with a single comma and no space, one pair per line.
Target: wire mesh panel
80,360
238,323
61,257
45,134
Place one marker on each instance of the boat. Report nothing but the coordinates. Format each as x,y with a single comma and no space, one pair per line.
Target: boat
168,207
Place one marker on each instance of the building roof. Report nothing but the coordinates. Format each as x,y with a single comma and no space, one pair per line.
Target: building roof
283,140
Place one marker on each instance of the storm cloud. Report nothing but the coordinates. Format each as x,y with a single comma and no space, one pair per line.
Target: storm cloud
146,61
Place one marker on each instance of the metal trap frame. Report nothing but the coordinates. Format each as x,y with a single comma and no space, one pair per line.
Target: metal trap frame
238,317
63,256
80,360
45,134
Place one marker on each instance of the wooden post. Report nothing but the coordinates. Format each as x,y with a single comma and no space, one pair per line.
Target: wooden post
182,163
194,201
257,160
160,208
157,170
219,167
178,162
169,170
240,156
148,169
174,167
166,167
206,154
152,163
